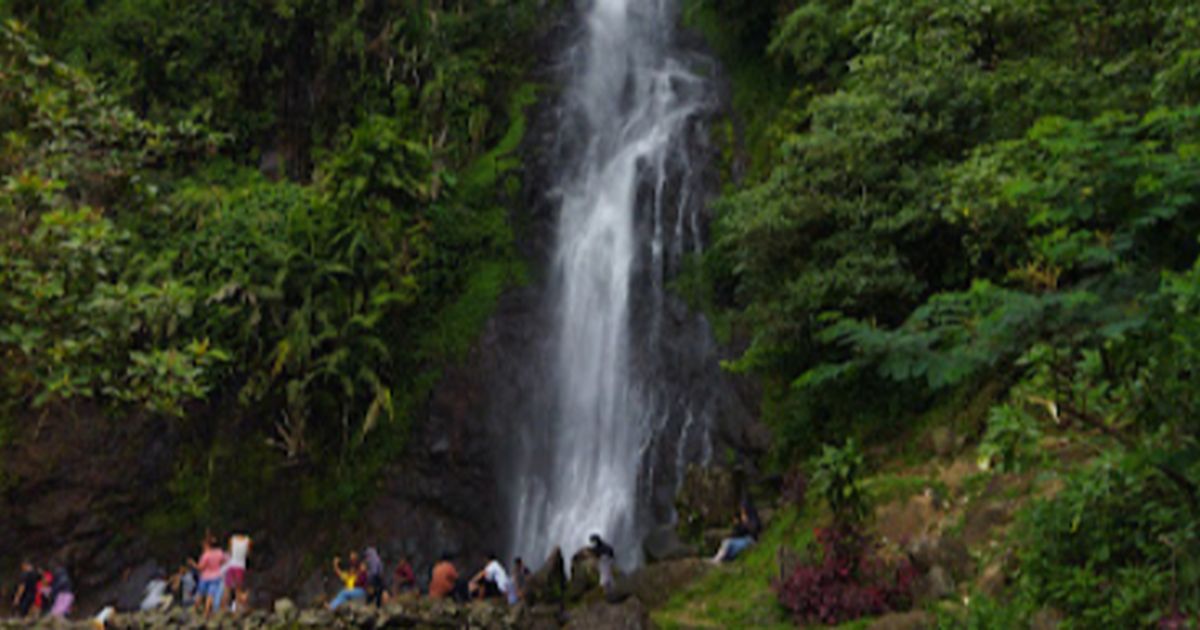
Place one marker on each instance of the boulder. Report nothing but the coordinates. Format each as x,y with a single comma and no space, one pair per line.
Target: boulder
654,584
585,575
911,620
543,617
284,608
935,584
947,552
315,618
708,498
909,518
1046,619
710,540
993,582
548,584
630,614
982,521
489,614
942,441
664,544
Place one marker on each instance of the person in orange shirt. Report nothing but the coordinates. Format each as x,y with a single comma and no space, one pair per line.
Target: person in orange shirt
445,577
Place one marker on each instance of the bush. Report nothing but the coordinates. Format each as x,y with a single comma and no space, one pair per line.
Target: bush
849,582
1116,548
838,480
1011,438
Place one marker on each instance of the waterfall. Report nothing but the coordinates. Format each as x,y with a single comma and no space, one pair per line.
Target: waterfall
613,427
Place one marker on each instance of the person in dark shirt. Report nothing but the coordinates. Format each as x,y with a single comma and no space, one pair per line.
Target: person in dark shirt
605,555
27,589
746,529
62,593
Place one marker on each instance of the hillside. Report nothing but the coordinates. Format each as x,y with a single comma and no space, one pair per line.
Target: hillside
920,279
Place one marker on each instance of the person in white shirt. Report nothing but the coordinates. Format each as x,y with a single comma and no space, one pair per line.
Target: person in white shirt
155,595
492,581
235,570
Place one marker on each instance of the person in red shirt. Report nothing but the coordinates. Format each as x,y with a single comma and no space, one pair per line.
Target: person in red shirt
405,579
43,602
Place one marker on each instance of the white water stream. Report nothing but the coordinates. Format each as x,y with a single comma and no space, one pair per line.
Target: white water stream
629,100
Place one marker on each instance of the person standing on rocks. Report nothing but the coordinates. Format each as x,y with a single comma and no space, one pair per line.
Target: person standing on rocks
212,559
516,584
27,585
351,578
184,585
376,589
44,587
235,571
62,593
605,556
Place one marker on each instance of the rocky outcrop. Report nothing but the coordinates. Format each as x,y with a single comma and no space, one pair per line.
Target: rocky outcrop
549,584
664,544
655,583
412,614
707,502
630,614
76,486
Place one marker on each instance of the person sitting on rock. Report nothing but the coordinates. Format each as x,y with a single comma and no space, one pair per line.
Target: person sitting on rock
492,581
154,596
405,581
605,556
443,579
352,581
746,529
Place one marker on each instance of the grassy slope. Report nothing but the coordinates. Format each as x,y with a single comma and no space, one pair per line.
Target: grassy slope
739,595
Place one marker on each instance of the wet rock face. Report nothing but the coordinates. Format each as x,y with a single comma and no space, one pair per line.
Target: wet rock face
585,576
708,500
664,544
78,485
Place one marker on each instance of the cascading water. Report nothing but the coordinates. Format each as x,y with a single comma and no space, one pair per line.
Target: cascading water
617,420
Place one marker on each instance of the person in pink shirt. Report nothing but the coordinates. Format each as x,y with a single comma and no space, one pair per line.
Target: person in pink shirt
209,565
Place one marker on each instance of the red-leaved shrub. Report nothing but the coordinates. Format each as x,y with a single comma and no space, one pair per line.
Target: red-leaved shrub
850,581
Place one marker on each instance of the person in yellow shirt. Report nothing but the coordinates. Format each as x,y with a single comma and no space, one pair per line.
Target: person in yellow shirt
352,582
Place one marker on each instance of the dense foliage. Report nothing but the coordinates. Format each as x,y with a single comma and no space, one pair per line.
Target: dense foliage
845,576
960,196
847,581
290,215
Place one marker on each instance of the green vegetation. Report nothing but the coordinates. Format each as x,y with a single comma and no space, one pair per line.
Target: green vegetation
286,218
736,595
274,225
972,205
